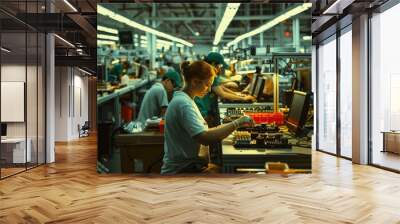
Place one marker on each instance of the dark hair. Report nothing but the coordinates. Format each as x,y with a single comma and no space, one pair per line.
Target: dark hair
197,69
258,69
167,78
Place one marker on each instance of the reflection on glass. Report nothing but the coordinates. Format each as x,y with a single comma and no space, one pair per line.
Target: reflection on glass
22,89
31,101
346,94
41,99
385,85
15,151
327,97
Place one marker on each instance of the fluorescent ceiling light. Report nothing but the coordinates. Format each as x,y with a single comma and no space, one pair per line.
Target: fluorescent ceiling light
233,61
338,6
306,37
142,37
230,12
65,41
70,5
245,72
84,71
247,61
272,23
5,50
105,42
159,46
122,19
333,6
106,29
107,37
164,42
224,52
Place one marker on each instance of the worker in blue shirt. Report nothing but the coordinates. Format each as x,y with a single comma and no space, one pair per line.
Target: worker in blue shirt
155,100
185,127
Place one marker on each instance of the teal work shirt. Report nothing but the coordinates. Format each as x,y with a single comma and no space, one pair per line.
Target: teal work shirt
115,73
183,121
204,103
153,101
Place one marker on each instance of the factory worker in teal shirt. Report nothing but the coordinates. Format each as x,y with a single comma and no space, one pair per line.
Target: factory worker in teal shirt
185,127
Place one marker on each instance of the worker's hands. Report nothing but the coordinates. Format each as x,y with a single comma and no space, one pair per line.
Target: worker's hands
244,121
249,98
212,168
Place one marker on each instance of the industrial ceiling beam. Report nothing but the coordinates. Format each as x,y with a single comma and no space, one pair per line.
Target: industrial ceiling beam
86,26
240,18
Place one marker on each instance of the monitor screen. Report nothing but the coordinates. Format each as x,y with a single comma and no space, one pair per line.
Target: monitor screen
101,72
125,37
3,129
298,110
258,90
253,83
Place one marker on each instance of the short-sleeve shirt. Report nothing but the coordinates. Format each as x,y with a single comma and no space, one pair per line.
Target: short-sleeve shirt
183,121
115,73
204,103
154,100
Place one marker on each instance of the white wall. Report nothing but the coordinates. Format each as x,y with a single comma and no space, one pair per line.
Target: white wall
80,96
61,103
314,90
71,94
34,125
10,73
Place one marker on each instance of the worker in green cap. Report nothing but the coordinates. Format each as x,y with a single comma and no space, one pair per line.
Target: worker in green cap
207,103
155,100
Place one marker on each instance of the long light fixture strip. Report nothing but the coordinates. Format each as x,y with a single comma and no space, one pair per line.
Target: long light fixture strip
5,50
107,37
106,12
70,5
64,40
229,13
272,23
107,29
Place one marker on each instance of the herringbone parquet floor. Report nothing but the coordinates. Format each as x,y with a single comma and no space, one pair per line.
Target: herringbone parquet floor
70,191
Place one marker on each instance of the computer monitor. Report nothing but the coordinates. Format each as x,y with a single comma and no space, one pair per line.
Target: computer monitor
125,37
287,97
101,71
298,111
253,83
3,130
258,90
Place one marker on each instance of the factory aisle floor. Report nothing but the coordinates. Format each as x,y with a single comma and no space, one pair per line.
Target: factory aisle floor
71,191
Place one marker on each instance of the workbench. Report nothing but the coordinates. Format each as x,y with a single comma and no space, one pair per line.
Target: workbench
233,158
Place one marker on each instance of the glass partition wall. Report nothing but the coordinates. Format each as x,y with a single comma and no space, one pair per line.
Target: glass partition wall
334,100
385,89
346,92
22,77
326,109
